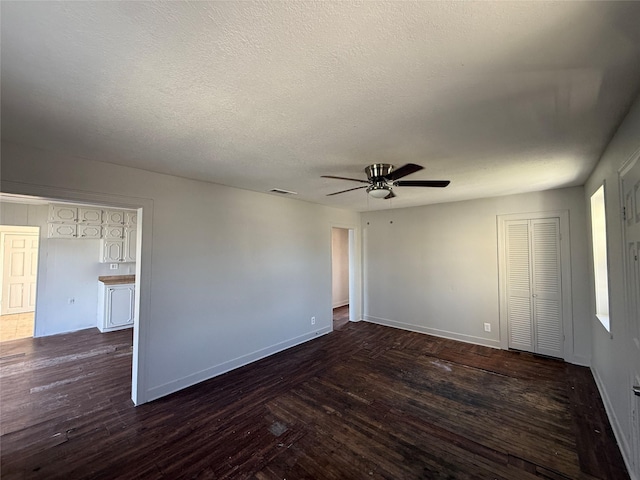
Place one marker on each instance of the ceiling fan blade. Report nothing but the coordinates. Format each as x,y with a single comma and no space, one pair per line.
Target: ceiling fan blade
403,171
422,183
344,191
345,178
391,195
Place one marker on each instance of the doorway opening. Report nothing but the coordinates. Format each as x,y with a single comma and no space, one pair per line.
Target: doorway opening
72,258
19,247
342,276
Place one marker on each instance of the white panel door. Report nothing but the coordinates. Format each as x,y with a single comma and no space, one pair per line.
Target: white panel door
547,284
533,286
630,189
20,266
519,308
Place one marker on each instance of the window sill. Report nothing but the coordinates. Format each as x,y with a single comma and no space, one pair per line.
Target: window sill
604,320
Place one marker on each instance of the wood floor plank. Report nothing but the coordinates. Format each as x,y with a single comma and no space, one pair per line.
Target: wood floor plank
365,401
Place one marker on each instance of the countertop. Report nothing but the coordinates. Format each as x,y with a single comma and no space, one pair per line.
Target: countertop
117,279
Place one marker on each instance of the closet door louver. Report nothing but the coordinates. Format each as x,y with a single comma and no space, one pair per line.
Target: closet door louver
534,296
519,308
547,298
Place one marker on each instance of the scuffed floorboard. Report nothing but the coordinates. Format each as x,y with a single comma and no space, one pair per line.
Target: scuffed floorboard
365,401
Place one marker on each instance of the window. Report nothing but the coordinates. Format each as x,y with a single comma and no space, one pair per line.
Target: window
599,239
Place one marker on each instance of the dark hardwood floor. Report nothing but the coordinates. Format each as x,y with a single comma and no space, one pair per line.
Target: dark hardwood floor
340,317
365,401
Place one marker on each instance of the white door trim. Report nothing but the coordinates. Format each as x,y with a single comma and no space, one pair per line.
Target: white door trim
565,259
631,447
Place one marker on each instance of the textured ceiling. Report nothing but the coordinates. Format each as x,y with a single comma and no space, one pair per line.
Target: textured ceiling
500,98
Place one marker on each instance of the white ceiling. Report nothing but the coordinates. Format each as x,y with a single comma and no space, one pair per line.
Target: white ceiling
498,97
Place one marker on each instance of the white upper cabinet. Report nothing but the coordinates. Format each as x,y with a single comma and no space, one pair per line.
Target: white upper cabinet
112,251
112,232
114,217
62,230
63,213
130,242
116,228
131,218
89,231
90,216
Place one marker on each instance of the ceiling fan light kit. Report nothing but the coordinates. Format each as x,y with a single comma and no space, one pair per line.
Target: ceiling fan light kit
381,177
378,191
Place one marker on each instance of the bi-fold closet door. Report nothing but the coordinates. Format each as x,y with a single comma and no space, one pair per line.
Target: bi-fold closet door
534,286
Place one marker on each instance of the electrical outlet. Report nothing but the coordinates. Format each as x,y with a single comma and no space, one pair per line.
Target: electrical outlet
313,320
487,327
113,266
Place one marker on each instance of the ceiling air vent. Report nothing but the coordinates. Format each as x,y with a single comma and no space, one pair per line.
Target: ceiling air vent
282,192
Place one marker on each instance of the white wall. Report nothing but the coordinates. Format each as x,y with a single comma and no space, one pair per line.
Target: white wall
435,268
612,354
232,275
340,266
67,268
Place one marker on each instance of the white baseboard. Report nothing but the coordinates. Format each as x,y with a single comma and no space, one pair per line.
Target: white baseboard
625,449
341,304
579,360
434,331
159,391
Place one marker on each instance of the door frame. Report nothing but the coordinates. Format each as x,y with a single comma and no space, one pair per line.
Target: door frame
144,207
348,265
565,262
355,271
633,332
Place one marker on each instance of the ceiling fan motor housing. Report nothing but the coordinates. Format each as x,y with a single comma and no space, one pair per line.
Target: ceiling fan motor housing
378,170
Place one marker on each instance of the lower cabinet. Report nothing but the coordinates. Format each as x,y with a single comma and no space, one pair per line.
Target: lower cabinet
116,306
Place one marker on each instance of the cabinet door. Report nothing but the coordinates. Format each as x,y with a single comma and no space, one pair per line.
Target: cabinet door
90,216
112,251
62,230
131,218
112,232
130,240
63,213
119,305
89,231
114,217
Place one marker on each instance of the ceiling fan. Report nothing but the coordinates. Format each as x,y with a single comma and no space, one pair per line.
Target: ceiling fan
381,177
